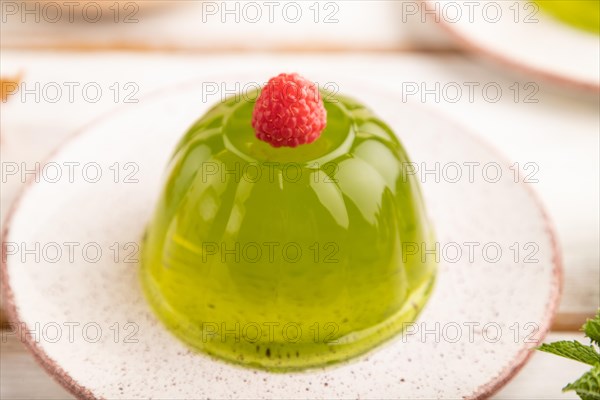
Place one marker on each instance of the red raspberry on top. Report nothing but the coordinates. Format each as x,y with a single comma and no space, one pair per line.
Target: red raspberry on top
289,112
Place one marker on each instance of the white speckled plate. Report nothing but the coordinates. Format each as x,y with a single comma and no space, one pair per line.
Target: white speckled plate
520,34
91,328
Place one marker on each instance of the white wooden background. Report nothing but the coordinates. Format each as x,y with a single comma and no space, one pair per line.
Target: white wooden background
560,132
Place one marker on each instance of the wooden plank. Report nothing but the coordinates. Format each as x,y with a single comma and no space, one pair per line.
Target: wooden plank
216,26
570,322
21,377
285,49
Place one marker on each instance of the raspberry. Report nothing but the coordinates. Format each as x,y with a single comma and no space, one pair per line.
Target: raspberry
289,112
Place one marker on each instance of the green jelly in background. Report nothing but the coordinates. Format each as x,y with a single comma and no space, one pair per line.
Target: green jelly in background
287,258
583,14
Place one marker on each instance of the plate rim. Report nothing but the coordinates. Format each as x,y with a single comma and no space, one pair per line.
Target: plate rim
63,378
501,58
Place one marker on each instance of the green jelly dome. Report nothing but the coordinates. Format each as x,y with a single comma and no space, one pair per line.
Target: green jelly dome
288,258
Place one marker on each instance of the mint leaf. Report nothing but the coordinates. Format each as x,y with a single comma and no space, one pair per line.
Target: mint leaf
588,386
592,329
573,350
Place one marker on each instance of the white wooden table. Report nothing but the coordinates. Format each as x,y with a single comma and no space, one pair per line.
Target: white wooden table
559,132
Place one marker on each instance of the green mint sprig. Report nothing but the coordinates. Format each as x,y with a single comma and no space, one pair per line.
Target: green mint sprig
588,386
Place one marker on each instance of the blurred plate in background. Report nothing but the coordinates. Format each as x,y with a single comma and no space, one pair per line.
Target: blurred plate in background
523,35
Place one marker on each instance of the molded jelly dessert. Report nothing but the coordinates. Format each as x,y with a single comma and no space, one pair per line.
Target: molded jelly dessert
286,258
